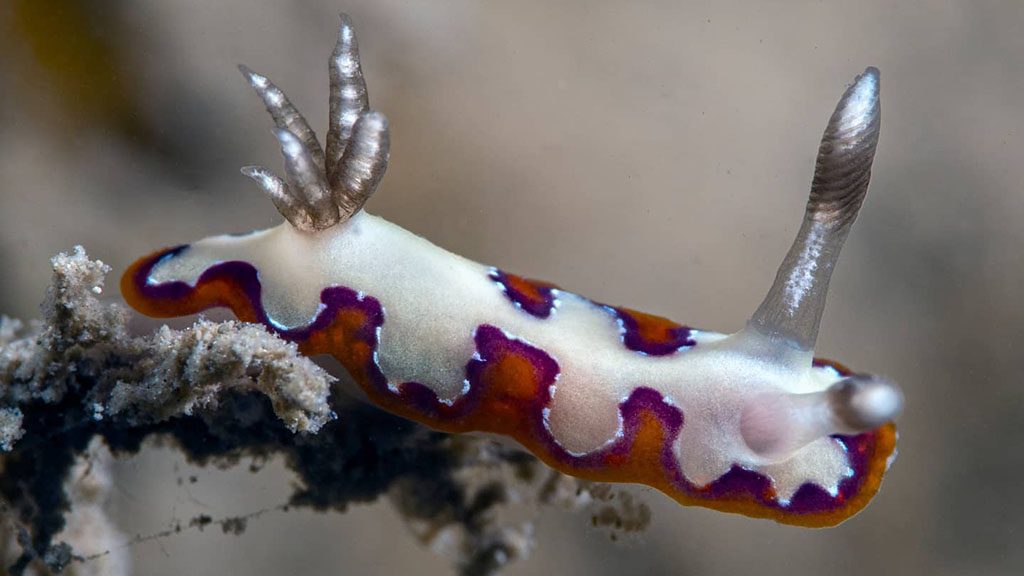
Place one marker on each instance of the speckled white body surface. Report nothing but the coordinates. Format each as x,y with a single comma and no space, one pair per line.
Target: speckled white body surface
434,300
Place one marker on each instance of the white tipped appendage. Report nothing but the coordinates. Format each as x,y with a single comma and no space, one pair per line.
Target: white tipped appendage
792,309
860,403
861,103
776,425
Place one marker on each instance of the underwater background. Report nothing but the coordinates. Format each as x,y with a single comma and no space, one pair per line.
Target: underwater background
652,154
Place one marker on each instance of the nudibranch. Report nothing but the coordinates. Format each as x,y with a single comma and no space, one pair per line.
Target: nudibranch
749,422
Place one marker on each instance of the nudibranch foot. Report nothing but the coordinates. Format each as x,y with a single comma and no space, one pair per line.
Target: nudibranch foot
749,422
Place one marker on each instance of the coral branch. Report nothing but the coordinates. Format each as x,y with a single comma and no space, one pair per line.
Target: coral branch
83,348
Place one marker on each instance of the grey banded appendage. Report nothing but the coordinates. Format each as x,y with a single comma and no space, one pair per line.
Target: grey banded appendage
323,188
789,317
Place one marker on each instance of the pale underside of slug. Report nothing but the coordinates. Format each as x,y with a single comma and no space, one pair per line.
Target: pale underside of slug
747,422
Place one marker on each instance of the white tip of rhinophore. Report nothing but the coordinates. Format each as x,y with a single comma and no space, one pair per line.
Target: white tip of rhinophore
345,34
859,104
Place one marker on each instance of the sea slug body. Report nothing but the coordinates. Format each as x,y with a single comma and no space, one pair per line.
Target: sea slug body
748,422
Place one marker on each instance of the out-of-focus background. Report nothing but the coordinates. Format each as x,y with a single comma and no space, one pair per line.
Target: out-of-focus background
653,154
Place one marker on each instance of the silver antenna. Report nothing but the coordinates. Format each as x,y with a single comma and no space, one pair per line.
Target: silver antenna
793,307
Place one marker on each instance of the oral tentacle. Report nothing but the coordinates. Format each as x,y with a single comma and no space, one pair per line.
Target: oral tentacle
777,425
864,402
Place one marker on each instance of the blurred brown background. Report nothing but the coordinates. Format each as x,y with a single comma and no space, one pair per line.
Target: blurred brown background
653,154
